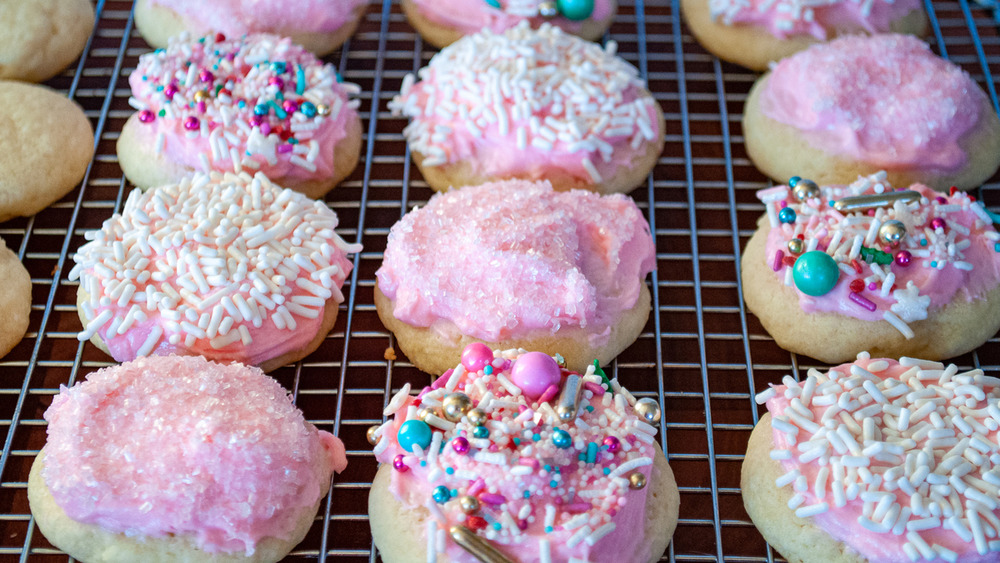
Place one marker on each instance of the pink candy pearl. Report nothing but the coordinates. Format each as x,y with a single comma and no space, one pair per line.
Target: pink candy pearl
398,465
289,106
903,258
938,223
476,356
192,123
206,76
612,443
534,372
276,81
460,445
147,116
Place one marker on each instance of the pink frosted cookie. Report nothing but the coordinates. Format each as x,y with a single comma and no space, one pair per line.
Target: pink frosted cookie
259,103
510,455
442,22
755,33
179,459
531,104
516,264
319,25
878,461
229,267
862,104
836,270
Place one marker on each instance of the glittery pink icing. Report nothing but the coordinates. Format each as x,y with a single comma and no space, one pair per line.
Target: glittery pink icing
239,17
503,259
470,16
179,445
958,263
515,486
524,102
787,18
885,100
843,523
236,77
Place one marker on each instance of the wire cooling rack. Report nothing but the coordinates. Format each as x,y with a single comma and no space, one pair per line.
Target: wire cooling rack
701,353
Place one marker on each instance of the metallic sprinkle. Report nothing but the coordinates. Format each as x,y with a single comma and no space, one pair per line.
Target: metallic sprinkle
477,546
874,201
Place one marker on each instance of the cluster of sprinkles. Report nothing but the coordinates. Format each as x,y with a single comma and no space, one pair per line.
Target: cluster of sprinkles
514,449
209,262
538,90
574,10
872,238
906,449
254,100
790,15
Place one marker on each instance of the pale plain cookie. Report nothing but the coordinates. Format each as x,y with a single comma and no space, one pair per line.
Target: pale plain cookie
449,21
15,299
322,26
44,151
755,47
41,37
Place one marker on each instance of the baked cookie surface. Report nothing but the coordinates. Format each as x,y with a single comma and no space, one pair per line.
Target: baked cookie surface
15,299
41,37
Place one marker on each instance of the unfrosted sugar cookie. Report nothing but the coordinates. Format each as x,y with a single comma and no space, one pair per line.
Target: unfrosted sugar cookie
878,461
858,105
229,267
15,299
525,461
42,37
755,33
534,105
516,264
835,270
175,459
442,22
257,103
319,25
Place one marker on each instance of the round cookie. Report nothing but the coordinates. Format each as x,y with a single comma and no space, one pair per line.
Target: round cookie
862,104
517,264
230,472
320,26
42,37
842,288
230,267
589,482
256,103
44,151
569,112
443,22
15,300
812,491
756,33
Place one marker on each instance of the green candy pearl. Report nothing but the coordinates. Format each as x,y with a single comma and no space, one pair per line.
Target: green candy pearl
815,273
575,10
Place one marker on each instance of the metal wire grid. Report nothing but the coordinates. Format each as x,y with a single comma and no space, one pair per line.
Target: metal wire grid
701,353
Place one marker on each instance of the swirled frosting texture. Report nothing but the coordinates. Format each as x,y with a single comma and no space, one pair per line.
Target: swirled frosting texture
886,100
503,259
897,460
240,17
180,445
471,16
788,18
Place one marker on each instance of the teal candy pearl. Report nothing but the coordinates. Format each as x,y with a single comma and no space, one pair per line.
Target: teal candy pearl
441,494
575,10
786,215
308,109
481,432
494,3
561,439
414,432
815,273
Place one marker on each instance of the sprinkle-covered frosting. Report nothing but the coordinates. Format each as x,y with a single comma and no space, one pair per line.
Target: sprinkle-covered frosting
898,460
470,16
787,18
525,101
899,254
183,446
229,267
885,100
536,460
503,259
259,103
240,17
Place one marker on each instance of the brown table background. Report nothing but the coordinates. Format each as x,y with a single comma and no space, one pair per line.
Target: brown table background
701,353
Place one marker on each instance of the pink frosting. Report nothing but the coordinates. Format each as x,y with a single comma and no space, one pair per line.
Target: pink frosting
880,536
182,446
199,103
228,267
469,17
886,100
788,18
959,262
504,259
524,103
537,492
239,17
